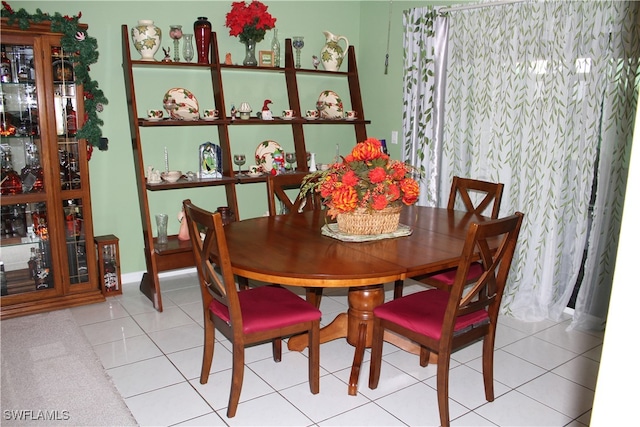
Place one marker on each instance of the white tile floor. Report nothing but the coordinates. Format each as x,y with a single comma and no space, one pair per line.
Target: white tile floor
544,375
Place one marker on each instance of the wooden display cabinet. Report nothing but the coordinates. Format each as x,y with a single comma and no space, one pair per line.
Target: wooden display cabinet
46,228
108,252
177,253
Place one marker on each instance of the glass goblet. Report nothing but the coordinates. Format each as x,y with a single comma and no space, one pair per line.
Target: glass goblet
298,44
175,33
291,159
239,159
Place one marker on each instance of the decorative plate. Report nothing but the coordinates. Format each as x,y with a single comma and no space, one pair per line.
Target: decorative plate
181,104
264,154
330,105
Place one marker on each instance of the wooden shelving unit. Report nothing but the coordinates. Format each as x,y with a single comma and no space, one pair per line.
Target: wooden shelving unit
177,254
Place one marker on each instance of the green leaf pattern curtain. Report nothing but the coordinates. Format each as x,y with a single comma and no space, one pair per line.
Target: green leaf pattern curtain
540,96
420,114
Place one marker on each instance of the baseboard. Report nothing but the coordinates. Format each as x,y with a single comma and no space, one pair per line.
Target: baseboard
134,279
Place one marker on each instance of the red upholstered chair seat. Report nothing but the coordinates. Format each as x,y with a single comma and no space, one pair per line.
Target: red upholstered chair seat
268,307
476,196
448,276
250,316
457,313
423,313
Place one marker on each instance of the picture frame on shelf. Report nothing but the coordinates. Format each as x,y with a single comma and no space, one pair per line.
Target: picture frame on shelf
266,58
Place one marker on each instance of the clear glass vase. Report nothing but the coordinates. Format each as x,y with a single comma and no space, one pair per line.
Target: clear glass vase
250,53
187,47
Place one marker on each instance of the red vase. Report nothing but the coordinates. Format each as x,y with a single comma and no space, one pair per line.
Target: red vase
202,34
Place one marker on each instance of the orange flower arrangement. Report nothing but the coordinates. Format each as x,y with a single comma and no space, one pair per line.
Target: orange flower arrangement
366,180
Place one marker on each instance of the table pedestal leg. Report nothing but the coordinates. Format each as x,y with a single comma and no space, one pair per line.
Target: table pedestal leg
357,326
362,301
358,355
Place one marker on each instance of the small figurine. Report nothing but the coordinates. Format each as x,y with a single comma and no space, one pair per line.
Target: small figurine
277,166
167,56
316,62
183,233
153,175
233,113
265,114
227,58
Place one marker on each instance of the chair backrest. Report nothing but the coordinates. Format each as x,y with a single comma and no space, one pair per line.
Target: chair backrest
276,190
485,293
209,252
464,186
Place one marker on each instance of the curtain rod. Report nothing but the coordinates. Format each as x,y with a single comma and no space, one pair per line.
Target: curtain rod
478,5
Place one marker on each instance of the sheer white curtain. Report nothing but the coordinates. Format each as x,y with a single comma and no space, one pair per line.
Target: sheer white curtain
618,114
424,64
536,93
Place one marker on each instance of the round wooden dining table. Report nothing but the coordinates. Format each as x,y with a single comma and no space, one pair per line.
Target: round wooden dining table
292,250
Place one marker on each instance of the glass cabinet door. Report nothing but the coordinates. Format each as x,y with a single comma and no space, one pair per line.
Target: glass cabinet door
25,224
70,166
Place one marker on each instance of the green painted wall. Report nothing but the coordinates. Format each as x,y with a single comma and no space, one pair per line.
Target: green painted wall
114,195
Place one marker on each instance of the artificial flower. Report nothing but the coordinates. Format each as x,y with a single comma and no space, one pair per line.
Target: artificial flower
249,21
366,179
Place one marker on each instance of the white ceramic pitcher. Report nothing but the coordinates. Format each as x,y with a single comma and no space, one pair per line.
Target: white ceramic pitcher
332,53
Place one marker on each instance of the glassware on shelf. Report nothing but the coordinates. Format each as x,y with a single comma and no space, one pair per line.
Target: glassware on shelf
291,160
71,120
298,44
5,68
175,33
275,48
162,222
32,174
11,182
239,159
187,47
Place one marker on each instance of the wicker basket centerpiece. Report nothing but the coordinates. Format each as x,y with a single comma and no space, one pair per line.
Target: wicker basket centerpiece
366,191
363,222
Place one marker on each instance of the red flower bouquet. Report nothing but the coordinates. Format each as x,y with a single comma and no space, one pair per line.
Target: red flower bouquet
367,180
249,21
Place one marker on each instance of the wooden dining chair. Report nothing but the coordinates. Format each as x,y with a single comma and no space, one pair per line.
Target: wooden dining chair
277,186
486,195
245,317
443,321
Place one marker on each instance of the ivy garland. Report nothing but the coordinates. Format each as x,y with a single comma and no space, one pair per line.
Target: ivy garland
84,52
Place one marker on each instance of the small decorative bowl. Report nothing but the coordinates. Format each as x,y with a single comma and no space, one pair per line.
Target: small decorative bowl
171,176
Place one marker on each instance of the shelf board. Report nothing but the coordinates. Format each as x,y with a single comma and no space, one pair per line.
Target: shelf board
16,199
161,64
251,121
197,182
174,246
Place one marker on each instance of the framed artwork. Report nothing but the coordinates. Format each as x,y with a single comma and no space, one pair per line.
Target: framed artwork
266,58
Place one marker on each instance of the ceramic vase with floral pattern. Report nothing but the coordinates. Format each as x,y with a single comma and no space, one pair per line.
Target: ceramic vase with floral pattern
146,39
